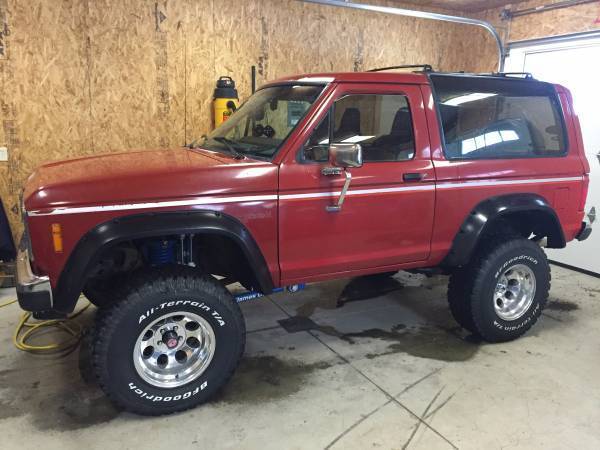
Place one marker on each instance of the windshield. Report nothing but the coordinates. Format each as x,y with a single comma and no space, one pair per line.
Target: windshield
263,123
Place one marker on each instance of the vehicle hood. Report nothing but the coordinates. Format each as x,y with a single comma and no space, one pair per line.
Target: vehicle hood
149,175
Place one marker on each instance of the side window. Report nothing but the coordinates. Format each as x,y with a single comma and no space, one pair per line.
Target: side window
381,124
499,118
316,149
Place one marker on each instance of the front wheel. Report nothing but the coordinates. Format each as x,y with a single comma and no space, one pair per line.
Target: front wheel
504,290
169,344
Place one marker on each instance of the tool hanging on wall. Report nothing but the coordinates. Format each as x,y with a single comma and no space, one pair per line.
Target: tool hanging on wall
225,100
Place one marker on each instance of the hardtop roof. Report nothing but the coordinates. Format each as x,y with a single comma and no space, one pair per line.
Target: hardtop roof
394,77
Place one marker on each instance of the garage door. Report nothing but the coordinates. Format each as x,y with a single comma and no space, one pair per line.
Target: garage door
573,61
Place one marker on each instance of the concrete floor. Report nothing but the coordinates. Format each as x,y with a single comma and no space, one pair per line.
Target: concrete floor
344,364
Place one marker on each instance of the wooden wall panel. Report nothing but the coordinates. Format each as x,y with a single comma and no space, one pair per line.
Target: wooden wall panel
83,77
199,64
45,106
137,75
574,19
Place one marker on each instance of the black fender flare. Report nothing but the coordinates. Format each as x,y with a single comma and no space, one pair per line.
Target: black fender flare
89,248
481,218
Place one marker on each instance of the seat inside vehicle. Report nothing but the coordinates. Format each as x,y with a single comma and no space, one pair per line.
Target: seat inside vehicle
349,125
399,144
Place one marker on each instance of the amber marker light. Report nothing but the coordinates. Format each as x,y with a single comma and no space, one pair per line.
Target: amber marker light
57,239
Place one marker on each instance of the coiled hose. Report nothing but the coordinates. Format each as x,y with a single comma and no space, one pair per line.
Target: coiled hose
27,329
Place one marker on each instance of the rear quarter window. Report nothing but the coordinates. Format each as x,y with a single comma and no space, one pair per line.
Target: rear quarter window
490,118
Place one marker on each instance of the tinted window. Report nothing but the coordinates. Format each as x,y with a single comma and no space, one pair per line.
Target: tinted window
498,118
381,124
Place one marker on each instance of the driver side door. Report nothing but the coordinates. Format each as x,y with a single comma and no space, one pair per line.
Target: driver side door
387,216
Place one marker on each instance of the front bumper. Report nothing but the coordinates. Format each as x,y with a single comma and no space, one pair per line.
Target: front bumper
34,292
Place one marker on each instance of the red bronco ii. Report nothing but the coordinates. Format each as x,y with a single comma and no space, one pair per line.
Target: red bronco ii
315,177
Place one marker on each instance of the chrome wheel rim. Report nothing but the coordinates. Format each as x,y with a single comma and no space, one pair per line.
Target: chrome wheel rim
174,350
514,292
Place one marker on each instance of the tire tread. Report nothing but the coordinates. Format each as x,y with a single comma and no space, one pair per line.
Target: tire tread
480,268
176,278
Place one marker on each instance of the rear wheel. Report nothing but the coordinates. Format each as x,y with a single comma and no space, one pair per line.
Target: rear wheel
460,307
502,293
172,341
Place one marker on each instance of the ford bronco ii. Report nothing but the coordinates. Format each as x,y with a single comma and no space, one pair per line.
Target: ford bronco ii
315,177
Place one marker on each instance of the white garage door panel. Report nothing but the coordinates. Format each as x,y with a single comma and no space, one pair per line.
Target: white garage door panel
576,65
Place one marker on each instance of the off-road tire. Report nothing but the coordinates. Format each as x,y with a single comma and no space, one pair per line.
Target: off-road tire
152,294
103,293
460,307
475,285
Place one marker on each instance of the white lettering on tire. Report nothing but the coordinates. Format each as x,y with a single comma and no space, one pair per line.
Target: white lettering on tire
158,398
512,260
520,325
200,305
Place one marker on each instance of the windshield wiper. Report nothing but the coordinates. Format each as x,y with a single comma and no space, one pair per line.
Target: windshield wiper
230,146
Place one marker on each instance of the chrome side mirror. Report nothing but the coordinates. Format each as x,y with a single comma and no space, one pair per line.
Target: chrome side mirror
345,155
342,156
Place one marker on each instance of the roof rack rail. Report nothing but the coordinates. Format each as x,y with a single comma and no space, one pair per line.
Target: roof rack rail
524,75
424,67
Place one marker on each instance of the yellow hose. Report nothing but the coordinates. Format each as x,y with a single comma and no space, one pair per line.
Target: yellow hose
26,330
8,303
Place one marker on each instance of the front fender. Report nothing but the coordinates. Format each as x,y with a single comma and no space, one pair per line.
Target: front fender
88,250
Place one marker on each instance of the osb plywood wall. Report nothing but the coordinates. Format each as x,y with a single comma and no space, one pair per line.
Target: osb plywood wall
83,77
573,19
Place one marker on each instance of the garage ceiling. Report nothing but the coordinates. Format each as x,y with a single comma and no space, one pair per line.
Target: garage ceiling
464,5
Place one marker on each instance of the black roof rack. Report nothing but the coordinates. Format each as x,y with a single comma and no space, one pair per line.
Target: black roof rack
424,67
524,75
518,75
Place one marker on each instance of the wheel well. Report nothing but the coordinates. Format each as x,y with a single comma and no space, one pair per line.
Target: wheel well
536,224
215,254
201,238
525,215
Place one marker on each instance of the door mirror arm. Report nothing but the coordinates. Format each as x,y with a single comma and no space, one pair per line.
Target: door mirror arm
342,156
340,202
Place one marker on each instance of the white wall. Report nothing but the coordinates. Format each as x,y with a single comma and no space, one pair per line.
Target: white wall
575,64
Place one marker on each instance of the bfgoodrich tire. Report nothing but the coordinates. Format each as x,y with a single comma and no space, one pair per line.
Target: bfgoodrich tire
506,289
460,306
169,344
102,293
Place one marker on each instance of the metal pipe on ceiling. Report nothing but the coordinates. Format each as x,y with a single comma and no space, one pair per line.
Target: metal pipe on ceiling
421,15
508,14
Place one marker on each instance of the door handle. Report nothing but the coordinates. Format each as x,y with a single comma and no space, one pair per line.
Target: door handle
328,171
412,177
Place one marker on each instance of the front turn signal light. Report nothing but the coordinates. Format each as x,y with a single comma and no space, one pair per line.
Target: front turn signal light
57,239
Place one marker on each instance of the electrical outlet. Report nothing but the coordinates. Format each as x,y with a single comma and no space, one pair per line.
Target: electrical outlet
3,153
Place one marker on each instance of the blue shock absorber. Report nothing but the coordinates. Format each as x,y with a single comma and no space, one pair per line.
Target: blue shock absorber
161,252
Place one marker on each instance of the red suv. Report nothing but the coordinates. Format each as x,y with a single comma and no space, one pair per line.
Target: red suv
315,177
